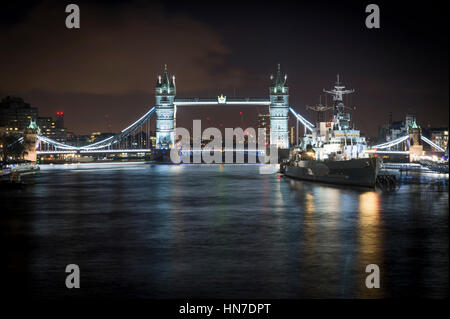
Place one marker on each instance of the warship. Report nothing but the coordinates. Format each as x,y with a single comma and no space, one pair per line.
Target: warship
334,150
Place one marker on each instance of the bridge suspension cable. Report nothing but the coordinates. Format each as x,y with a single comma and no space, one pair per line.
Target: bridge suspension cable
426,140
302,120
391,143
103,144
19,140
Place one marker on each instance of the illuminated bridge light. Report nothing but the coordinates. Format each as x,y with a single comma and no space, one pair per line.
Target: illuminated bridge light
98,147
97,143
386,152
117,151
391,143
300,118
94,151
231,101
152,110
55,152
426,140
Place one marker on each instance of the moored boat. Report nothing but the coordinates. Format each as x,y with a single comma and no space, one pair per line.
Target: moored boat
356,172
334,151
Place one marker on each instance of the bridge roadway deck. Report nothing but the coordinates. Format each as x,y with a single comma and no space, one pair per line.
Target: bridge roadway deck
217,101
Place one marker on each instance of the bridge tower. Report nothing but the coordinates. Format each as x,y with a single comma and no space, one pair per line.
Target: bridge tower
415,149
279,109
30,141
165,91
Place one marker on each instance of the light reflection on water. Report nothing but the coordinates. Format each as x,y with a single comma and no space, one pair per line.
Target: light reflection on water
370,238
160,231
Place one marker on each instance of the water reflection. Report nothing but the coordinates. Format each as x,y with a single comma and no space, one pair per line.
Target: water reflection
370,243
223,231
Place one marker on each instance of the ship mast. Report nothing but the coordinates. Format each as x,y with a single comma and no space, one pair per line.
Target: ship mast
341,118
319,109
338,91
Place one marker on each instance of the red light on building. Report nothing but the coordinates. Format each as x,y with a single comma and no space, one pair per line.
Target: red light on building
59,119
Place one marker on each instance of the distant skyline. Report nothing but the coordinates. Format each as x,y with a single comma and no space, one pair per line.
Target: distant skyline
105,72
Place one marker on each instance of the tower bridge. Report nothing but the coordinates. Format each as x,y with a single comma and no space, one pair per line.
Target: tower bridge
166,108
135,138
407,145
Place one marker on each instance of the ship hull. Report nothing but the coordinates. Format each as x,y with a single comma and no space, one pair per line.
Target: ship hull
357,172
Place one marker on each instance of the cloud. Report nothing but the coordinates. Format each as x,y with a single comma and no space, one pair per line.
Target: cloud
119,49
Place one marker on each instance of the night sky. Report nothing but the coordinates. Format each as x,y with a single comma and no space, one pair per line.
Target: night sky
103,75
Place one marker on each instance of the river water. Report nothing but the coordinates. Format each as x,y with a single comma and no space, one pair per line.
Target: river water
220,231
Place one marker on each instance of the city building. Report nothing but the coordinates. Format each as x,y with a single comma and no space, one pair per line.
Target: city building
292,136
78,140
59,119
264,122
50,128
395,129
15,114
98,136
81,140
152,141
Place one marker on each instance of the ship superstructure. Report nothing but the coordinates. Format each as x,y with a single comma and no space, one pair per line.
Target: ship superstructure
336,139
